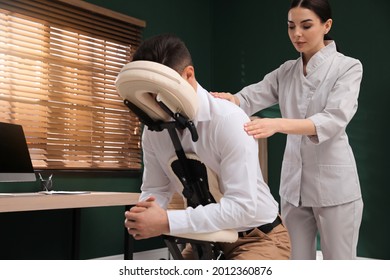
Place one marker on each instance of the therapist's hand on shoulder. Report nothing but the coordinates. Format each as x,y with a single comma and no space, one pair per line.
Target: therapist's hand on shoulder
146,219
226,95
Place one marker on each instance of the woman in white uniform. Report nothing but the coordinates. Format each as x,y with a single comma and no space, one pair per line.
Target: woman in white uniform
317,95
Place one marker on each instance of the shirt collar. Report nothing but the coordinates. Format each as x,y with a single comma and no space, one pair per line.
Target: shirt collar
204,105
321,56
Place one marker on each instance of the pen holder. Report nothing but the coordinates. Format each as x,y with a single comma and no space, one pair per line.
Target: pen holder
46,184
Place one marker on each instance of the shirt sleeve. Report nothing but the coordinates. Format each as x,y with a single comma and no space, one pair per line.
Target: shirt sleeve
154,180
261,95
341,104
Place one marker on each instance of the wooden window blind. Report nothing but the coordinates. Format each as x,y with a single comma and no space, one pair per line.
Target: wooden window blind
58,64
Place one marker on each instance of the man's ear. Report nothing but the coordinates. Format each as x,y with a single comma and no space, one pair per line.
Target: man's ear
188,73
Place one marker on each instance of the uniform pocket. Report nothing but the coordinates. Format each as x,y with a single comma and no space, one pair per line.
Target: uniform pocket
339,184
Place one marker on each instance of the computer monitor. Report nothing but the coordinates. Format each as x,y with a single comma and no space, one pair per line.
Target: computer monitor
15,161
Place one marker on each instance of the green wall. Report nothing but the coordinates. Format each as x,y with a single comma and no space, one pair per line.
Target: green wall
250,39
234,43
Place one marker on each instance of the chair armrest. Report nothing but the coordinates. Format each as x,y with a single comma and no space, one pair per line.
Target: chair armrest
228,236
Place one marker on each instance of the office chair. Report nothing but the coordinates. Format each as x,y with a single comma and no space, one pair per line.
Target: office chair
163,100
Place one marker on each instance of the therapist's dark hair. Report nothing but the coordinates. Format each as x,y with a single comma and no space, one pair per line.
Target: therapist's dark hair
320,7
166,49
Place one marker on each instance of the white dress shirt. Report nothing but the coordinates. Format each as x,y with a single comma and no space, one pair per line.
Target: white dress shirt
317,170
226,149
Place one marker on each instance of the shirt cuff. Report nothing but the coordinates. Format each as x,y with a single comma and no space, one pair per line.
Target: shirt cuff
178,222
315,138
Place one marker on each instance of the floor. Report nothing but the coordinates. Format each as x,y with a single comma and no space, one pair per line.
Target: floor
163,253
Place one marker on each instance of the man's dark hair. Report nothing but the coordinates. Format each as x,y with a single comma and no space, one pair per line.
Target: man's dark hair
166,49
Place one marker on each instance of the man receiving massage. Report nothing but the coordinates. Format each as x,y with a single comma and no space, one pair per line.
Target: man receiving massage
246,205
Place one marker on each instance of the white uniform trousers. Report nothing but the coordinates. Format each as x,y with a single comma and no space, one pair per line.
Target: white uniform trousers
338,227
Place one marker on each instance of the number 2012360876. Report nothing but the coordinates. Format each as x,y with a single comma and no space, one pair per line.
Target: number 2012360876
238,270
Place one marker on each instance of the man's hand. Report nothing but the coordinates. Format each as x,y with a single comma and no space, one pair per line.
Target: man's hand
146,219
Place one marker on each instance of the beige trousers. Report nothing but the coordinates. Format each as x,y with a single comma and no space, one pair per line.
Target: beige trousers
256,245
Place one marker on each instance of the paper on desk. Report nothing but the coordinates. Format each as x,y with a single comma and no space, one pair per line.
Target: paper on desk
64,192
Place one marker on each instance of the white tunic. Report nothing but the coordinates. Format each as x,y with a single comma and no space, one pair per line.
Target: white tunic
226,149
321,170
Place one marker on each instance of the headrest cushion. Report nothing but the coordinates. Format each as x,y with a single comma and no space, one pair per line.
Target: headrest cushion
141,81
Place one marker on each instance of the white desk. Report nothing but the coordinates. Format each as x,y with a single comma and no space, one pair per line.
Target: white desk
37,201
